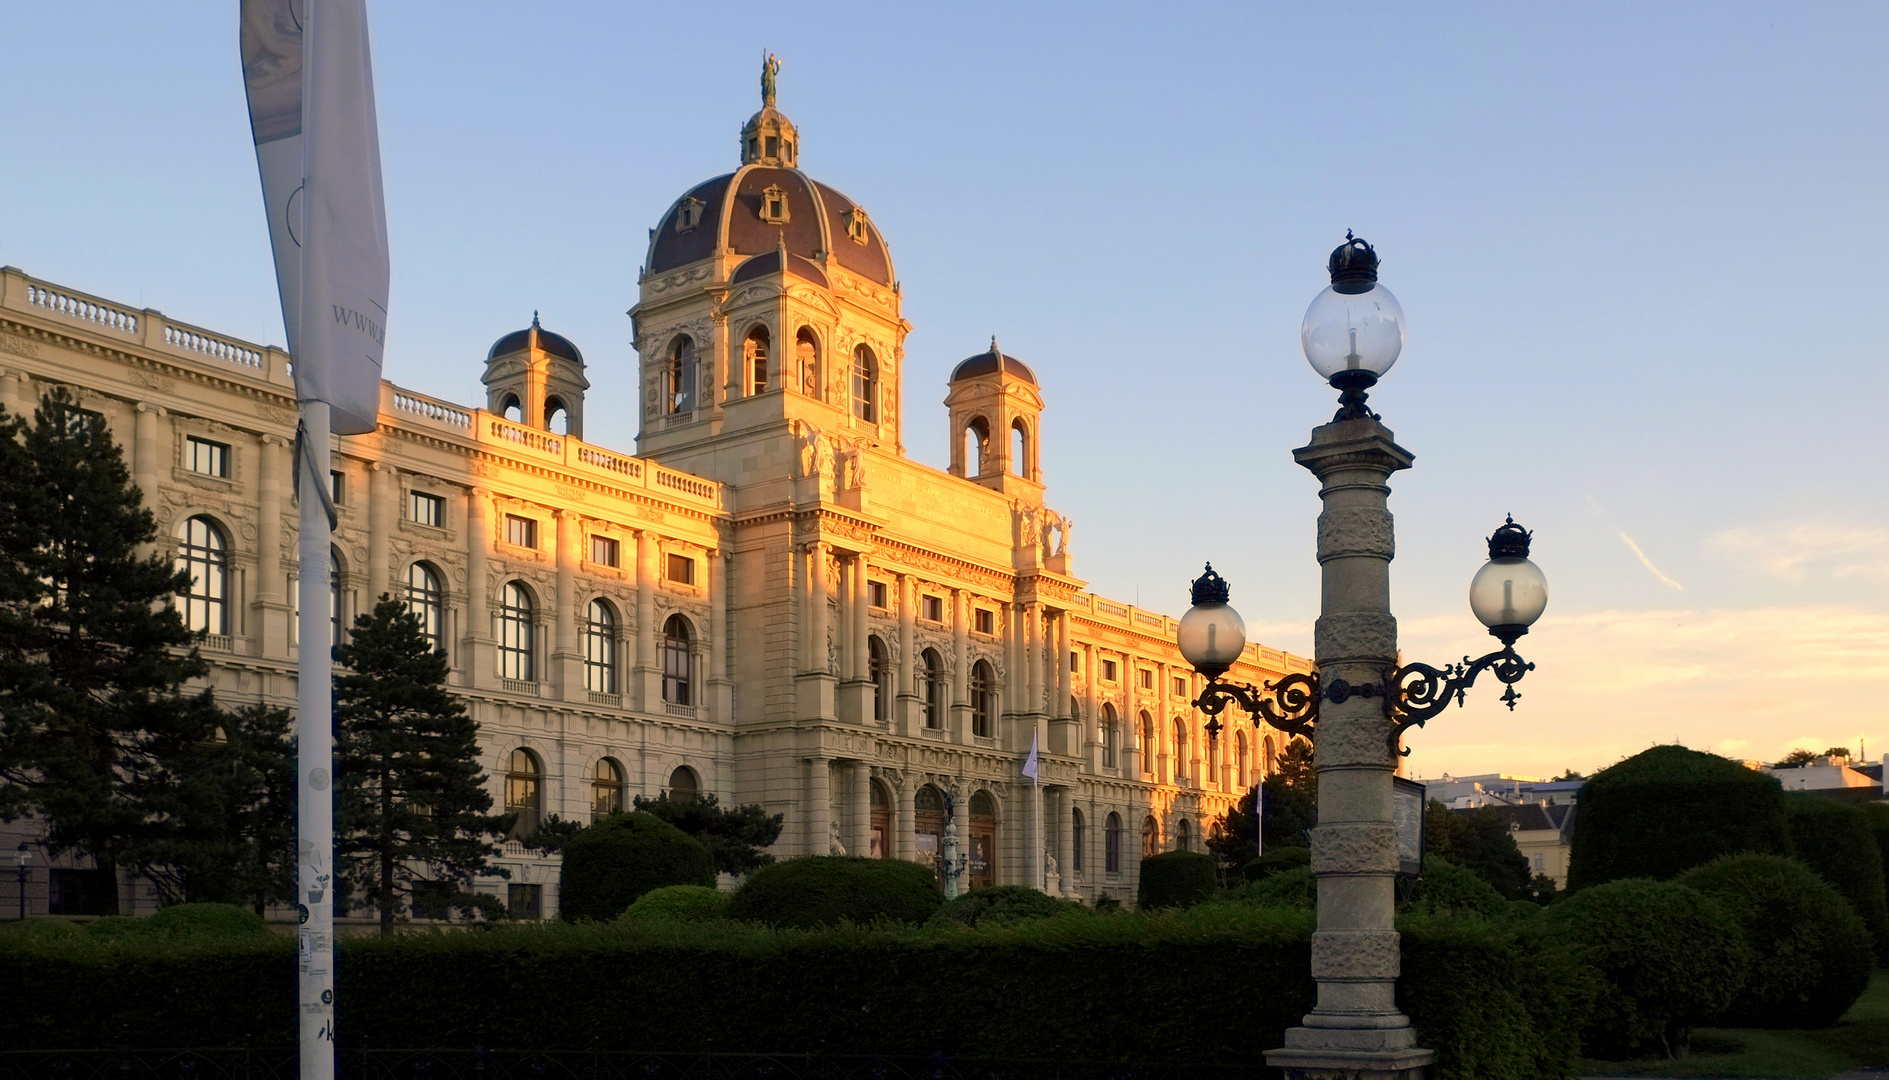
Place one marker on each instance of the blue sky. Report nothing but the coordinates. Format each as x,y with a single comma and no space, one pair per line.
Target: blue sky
1640,248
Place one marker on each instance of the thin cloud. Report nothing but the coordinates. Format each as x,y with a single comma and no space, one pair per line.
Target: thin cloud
1794,552
1646,562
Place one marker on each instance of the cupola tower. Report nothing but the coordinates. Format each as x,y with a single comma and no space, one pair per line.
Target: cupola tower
541,376
995,405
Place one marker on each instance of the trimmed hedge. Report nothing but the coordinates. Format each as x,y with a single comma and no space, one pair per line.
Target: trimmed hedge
1451,889
1809,950
1493,1003
822,890
612,862
1275,860
1833,838
1176,879
678,903
1672,959
1666,810
1003,904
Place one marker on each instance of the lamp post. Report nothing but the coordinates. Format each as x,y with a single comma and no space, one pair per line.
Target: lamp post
951,863
22,856
1358,702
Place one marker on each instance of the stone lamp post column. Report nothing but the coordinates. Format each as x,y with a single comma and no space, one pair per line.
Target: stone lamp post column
1355,1030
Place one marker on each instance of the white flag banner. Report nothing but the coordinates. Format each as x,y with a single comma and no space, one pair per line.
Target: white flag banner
311,110
1030,763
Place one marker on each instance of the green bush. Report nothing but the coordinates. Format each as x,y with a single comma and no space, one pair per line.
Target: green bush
678,903
1833,838
1671,957
1809,950
1175,879
611,863
1877,814
1003,904
1447,888
1668,809
1275,860
207,921
821,890
1293,890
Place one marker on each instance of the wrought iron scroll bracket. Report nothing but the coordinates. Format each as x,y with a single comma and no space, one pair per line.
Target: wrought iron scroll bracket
1289,704
1421,691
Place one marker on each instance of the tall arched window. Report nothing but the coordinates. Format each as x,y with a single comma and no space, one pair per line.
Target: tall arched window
934,690
1183,835
512,410
976,446
928,825
1266,755
606,789
524,790
1112,844
1241,778
679,376
1110,736
600,647
983,699
677,677
684,784
865,385
1079,835
1148,747
200,553
880,662
1150,836
1019,447
517,655
807,360
426,599
754,359
557,418
1180,751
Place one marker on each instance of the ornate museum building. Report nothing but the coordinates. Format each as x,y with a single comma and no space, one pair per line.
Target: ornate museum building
769,601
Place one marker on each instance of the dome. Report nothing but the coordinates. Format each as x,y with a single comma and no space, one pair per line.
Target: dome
769,204
538,336
985,363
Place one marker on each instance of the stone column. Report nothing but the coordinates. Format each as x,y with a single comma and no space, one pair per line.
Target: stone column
904,823
908,713
819,806
819,649
1132,750
646,676
859,814
1066,838
817,686
961,669
477,654
567,661
861,604
147,456
383,488
720,687
1356,1027
12,393
1092,733
271,620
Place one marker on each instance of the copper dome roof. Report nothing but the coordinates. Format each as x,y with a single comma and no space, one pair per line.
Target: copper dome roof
729,217
985,363
519,340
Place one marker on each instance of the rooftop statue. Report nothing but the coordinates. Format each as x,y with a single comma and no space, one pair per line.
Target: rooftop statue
770,68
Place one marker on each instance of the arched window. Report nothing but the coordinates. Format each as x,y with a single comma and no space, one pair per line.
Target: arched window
679,376
976,446
524,790
517,657
1019,447
879,819
1183,835
983,699
807,360
1110,736
512,410
1213,764
1241,777
426,599
754,358
677,676
684,784
1180,751
880,663
1150,837
600,647
200,553
934,690
1112,844
1147,744
928,825
1266,755
1078,834
865,385
557,418
606,789
981,852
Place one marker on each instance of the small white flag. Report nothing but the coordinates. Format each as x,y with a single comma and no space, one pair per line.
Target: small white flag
1030,763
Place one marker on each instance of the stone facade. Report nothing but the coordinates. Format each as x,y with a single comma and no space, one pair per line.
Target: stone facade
856,627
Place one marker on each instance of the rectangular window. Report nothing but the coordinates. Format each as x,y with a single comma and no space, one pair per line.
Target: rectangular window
206,457
1109,671
931,608
337,485
1147,679
426,509
1180,687
525,901
682,569
986,622
877,593
605,552
521,531
1075,662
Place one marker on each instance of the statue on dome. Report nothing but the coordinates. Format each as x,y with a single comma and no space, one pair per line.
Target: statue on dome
770,69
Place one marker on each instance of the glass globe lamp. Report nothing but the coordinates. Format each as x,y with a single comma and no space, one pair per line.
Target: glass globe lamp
1509,593
1211,634
1354,330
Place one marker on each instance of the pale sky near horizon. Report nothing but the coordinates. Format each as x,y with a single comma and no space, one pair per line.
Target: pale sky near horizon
1640,248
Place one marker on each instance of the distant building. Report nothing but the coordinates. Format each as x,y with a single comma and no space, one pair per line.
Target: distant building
1499,789
1542,833
1831,775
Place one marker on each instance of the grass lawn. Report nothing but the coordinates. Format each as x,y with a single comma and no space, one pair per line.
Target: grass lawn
1860,1039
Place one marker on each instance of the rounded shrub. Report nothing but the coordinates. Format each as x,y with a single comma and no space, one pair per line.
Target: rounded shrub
1671,959
1833,838
1293,889
207,921
1003,904
1810,952
1275,860
1175,879
608,865
1668,809
677,903
820,890
1450,889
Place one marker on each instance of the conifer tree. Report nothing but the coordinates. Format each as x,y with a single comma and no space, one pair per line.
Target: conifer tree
414,819
227,803
92,656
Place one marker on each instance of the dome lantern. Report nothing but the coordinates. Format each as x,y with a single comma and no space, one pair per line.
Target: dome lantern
769,138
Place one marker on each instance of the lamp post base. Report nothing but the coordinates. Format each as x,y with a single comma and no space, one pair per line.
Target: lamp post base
1319,1063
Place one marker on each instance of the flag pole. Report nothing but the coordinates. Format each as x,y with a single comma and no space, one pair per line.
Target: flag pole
314,750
